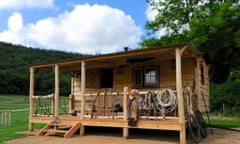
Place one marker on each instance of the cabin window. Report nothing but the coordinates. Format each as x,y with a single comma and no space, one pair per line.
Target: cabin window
107,78
150,77
147,76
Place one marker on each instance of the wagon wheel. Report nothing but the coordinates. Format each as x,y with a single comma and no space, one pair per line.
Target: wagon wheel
202,124
193,128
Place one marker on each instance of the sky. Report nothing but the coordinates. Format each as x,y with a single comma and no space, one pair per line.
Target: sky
79,26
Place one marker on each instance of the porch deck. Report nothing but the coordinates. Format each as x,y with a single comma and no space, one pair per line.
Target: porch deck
170,123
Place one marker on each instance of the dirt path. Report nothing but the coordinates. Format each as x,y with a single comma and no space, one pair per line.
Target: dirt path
220,137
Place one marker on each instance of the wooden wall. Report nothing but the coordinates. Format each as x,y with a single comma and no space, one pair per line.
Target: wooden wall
122,76
202,85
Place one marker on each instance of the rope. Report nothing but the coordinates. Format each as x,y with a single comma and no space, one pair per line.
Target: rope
148,102
166,101
166,98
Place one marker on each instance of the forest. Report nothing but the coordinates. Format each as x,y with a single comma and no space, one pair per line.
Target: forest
15,61
211,26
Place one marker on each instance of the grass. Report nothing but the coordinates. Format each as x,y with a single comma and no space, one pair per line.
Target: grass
19,120
225,122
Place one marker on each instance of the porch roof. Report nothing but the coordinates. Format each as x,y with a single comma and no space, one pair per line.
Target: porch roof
159,53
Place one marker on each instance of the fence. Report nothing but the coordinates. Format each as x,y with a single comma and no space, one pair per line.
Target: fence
7,114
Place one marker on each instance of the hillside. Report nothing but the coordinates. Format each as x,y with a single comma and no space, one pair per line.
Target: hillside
15,61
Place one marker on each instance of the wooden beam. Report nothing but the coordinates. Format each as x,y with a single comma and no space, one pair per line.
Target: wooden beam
31,94
125,110
83,86
181,116
56,94
169,124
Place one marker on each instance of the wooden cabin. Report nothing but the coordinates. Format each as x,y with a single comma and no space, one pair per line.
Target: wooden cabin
101,82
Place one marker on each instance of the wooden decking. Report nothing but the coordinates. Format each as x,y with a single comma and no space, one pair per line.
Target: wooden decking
159,124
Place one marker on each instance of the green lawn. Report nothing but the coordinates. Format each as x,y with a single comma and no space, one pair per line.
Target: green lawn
225,122
19,120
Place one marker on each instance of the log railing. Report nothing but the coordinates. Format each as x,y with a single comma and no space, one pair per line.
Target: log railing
152,104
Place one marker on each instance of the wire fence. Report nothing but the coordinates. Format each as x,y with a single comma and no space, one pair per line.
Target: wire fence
6,116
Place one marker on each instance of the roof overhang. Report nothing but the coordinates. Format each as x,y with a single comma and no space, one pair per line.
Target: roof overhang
123,58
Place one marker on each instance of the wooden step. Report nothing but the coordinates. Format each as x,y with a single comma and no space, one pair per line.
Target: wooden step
67,129
43,130
73,130
56,131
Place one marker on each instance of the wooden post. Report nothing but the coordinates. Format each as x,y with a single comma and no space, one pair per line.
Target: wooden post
71,97
181,116
31,94
125,111
83,86
56,95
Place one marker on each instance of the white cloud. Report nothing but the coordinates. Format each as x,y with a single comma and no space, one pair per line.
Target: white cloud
151,11
15,22
18,4
15,25
151,14
86,29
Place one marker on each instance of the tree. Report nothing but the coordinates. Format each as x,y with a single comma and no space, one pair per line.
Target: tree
174,15
213,28
219,36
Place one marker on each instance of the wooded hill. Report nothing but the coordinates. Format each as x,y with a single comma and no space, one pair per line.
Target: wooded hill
15,61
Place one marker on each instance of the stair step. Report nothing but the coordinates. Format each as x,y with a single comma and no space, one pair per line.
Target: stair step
60,128
64,127
59,124
55,131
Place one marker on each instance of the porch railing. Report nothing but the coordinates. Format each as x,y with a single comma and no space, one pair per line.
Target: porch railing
151,104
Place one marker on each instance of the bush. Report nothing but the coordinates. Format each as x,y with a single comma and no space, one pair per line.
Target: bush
225,97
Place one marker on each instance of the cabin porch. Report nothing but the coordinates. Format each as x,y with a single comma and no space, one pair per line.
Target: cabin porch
105,116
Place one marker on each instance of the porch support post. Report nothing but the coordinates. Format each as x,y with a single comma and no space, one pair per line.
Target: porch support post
31,94
125,99
181,116
56,95
83,86
71,97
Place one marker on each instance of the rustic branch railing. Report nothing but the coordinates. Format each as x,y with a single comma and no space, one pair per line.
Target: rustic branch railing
151,104
43,105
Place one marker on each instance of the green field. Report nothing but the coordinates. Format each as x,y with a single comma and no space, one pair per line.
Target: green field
20,119
224,122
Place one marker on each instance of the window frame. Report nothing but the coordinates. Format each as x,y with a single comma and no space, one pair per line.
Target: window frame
142,79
